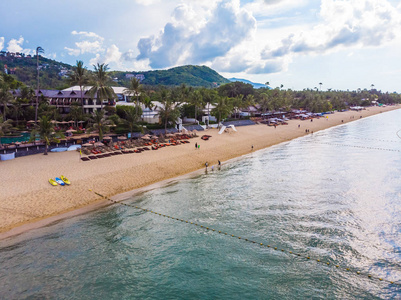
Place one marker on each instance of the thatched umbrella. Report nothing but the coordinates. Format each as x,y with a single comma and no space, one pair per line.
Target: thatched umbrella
107,138
87,145
122,138
98,144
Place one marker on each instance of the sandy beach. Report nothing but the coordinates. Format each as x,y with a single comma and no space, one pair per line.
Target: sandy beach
26,197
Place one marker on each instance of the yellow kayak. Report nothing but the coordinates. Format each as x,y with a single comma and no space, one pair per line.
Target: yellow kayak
52,182
66,181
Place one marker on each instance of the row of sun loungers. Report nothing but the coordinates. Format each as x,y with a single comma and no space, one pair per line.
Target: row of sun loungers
125,148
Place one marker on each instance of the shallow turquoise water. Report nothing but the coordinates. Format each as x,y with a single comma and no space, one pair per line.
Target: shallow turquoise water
333,196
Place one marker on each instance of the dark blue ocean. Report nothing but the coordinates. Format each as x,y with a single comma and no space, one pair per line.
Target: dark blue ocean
334,196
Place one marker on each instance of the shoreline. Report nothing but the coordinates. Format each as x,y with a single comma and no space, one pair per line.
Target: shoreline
35,204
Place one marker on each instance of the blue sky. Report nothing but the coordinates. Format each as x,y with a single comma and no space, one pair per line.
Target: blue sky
344,44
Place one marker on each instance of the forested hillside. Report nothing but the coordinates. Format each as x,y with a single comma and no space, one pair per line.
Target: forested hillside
52,74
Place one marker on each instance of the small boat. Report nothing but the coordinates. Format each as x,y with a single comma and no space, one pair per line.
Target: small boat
52,182
66,181
59,181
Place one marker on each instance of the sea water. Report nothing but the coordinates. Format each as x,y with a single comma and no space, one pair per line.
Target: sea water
332,196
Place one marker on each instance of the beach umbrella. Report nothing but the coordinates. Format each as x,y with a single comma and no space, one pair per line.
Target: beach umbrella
154,137
98,144
169,135
107,138
71,130
31,121
145,137
87,145
122,138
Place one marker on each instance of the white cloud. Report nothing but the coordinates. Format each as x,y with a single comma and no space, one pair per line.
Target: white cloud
90,43
147,2
354,24
87,34
90,47
1,43
198,37
263,8
113,55
95,60
14,45
73,52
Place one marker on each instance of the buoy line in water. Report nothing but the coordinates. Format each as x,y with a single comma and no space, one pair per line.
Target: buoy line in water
379,140
356,146
307,257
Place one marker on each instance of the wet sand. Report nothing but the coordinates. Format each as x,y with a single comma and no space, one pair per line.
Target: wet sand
28,201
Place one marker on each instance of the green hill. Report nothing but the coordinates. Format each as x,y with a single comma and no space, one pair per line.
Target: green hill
24,69
52,73
196,76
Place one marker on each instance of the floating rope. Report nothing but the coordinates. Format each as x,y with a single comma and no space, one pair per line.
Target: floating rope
356,146
306,257
379,140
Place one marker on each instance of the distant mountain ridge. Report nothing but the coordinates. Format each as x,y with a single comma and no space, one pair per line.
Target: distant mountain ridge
255,85
52,73
197,76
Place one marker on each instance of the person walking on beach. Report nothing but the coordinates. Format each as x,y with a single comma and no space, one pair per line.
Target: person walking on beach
252,147
206,164
196,146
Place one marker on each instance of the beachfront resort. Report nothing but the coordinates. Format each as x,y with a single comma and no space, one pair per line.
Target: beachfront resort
116,150
94,111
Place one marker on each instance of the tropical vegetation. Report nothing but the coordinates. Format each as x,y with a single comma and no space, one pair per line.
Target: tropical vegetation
19,105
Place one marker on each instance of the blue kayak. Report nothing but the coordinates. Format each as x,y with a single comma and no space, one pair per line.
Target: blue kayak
59,181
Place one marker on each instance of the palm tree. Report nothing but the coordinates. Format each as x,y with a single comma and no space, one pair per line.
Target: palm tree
169,112
5,127
249,100
237,104
75,113
79,76
17,107
222,109
264,102
134,89
100,122
38,50
196,100
5,97
209,97
45,130
101,87
147,102
130,118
